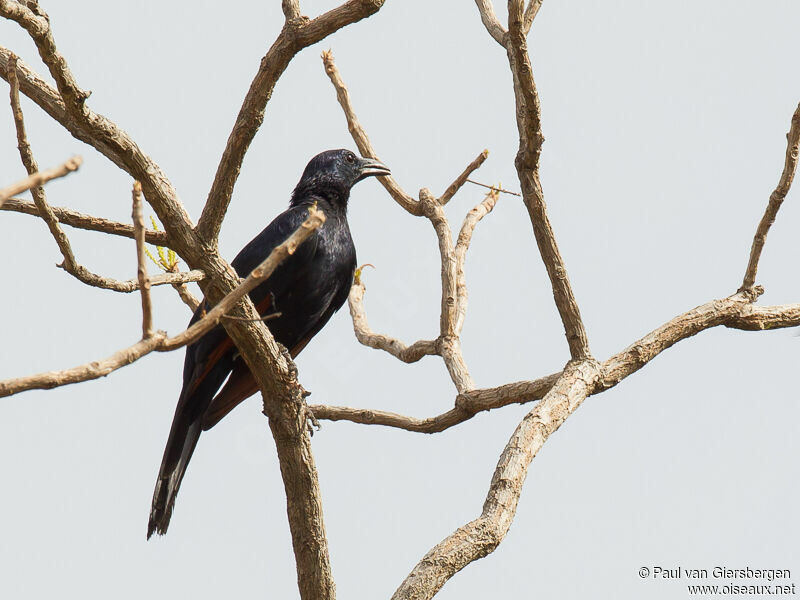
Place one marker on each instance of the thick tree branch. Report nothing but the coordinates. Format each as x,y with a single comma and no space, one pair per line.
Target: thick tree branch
295,35
527,163
775,199
79,220
480,537
291,9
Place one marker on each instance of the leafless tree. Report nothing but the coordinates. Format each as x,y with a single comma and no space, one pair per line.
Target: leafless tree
558,394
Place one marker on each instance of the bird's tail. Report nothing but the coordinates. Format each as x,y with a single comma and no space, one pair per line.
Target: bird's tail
180,446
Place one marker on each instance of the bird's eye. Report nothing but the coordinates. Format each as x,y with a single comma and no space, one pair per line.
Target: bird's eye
350,157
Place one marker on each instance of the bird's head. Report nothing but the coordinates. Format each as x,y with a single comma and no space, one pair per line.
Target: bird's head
332,173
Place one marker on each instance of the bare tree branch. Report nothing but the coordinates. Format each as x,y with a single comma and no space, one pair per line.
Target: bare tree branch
186,296
141,261
40,178
530,13
480,537
462,179
38,27
79,220
132,285
579,380
366,336
361,139
775,200
462,245
527,164
87,372
449,343
291,9
44,210
489,18
467,405
294,36
735,312
29,162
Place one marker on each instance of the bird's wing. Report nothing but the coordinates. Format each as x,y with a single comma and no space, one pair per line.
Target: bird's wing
241,384
210,359
204,356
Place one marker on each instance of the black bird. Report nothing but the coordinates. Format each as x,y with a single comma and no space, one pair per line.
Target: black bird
306,289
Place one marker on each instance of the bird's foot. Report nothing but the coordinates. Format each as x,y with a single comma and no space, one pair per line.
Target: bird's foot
312,423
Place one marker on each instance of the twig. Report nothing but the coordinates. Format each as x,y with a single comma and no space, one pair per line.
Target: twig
141,260
360,136
186,296
79,220
132,285
495,188
463,178
87,372
29,162
40,178
269,317
775,199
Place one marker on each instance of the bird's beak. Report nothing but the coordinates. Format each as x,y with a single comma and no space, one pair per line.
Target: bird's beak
371,167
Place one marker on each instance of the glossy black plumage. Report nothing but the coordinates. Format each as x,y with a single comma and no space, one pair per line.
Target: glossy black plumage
306,289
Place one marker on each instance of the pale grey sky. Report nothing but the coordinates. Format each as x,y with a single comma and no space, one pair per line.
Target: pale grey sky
664,127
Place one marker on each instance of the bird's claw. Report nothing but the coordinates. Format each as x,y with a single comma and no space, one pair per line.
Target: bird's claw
312,423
